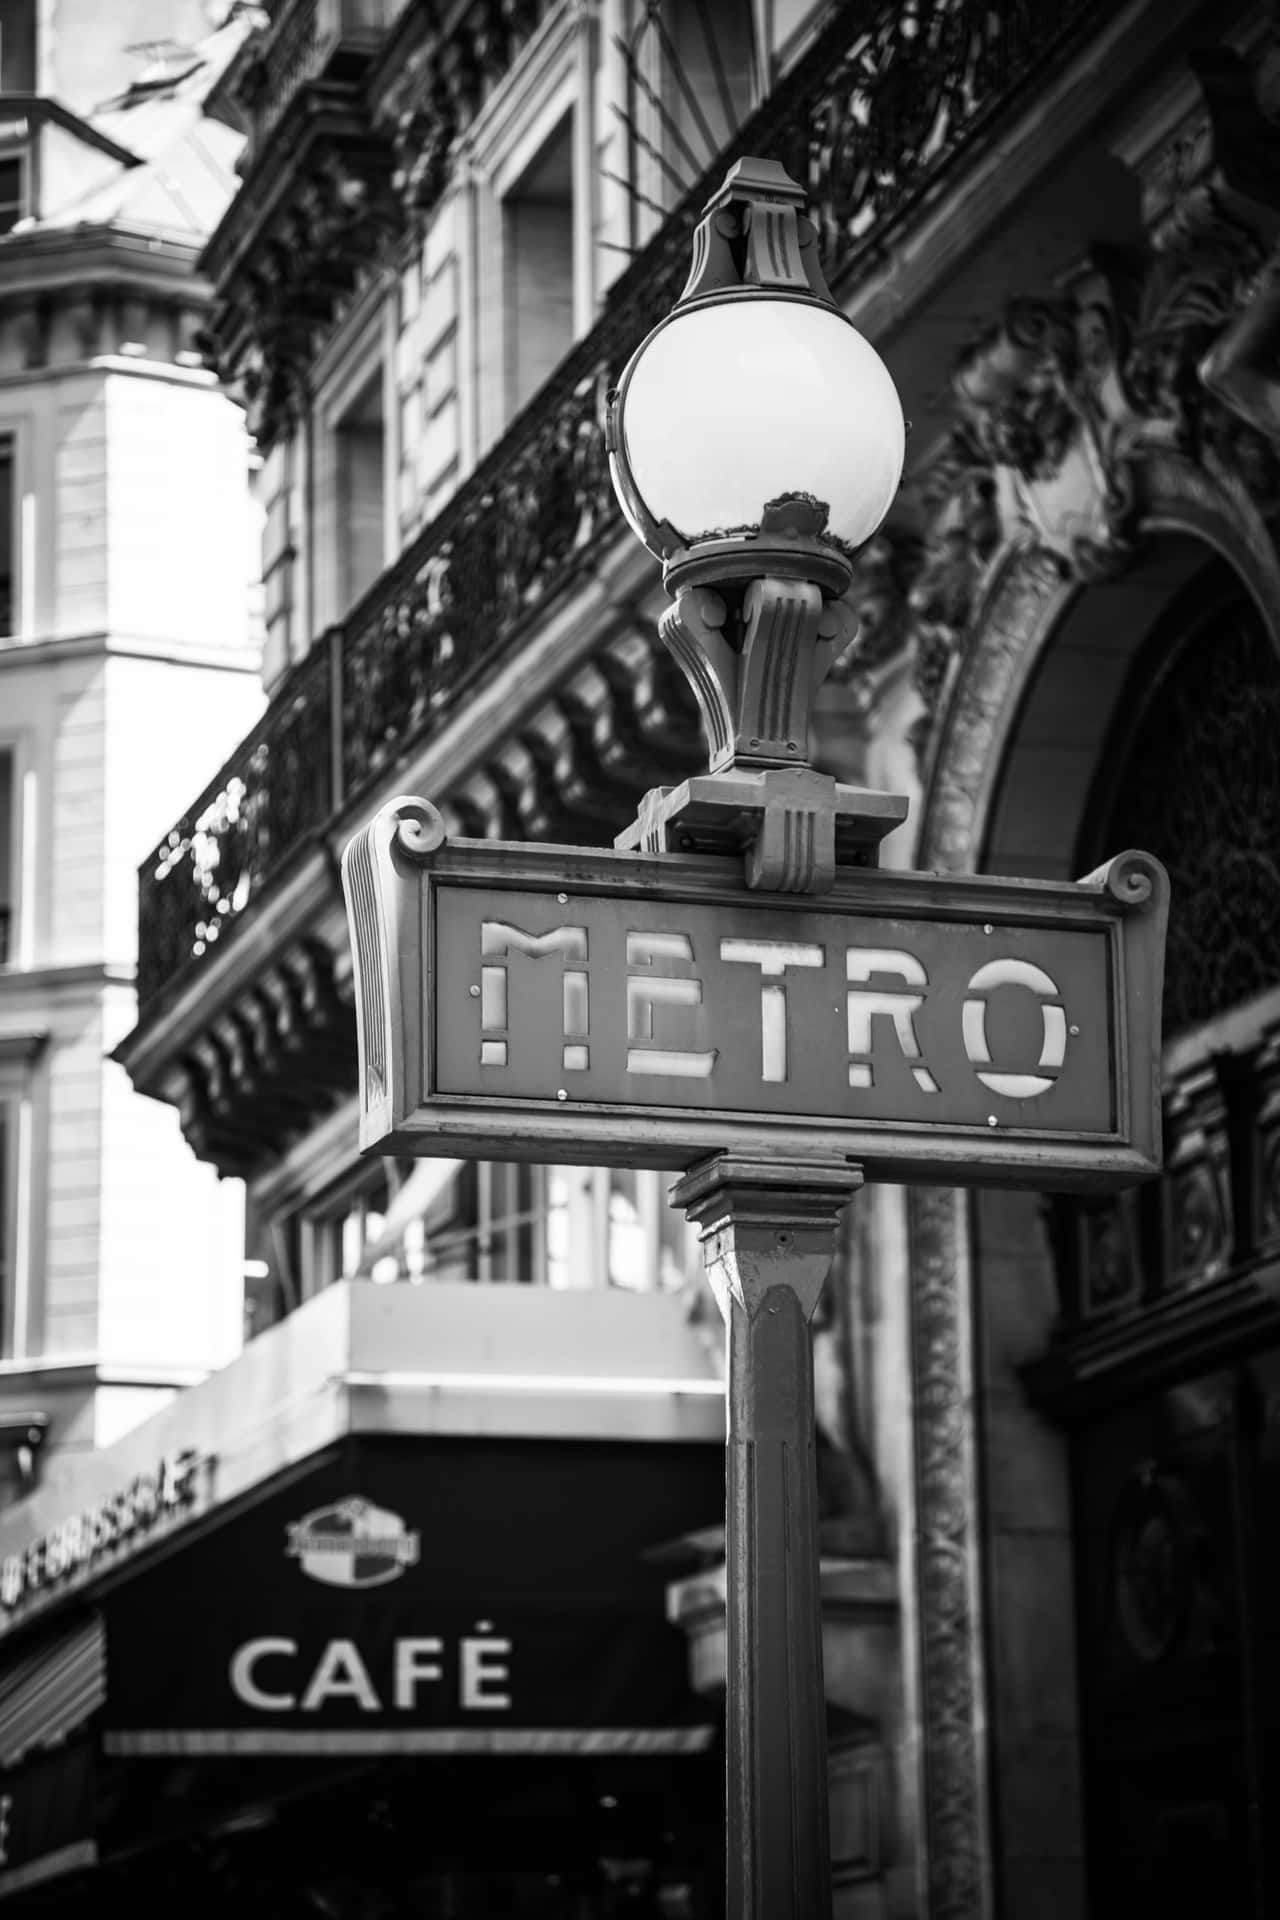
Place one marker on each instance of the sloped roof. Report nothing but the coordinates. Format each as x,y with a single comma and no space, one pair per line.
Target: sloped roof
185,172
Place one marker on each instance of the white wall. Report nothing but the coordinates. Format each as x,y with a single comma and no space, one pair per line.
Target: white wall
129,682
170,1278
176,509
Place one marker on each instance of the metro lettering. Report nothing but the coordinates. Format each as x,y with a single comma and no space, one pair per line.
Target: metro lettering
773,957
647,990
862,964
887,1000
497,942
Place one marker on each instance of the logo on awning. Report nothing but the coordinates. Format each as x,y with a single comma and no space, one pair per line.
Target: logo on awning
352,1544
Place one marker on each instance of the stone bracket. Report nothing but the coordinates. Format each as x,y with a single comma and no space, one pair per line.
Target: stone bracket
796,826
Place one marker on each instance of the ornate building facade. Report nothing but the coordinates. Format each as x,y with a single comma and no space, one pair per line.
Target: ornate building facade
1047,1428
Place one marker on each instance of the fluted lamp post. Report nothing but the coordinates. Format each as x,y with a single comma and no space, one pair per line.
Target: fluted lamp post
756,442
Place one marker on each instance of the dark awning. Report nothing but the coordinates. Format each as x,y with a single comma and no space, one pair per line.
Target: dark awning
462,1595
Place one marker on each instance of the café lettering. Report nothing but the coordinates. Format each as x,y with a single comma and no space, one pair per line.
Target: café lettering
268,1675
85,1537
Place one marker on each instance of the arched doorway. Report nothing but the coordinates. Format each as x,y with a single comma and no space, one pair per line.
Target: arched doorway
1166,1362
1049,743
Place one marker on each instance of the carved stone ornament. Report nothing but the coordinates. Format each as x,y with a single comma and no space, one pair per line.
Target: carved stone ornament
1057,406
1057,410
304,263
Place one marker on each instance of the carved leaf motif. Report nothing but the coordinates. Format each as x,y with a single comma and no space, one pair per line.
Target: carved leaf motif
1188,296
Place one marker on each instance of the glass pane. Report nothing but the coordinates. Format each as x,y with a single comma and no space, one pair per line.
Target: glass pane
631,1248
6,853
6,527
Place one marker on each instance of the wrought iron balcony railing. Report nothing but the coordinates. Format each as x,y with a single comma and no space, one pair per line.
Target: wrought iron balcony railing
883,104
298,45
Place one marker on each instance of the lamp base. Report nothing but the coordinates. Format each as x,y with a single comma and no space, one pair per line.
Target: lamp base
795,825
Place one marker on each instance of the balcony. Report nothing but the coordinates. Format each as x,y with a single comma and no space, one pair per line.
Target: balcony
304,41
883,106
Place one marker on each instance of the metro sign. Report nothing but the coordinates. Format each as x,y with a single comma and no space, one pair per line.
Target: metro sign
554,1003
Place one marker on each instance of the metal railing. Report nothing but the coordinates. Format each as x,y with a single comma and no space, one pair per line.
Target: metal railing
880,107
297,46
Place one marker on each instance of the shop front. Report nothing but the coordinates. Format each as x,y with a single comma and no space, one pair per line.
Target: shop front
423,1666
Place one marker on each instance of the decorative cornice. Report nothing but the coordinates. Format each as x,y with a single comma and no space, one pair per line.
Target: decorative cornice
574,769
264,1068
314,216
308,258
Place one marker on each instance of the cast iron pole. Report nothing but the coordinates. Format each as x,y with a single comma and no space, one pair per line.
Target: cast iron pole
768,1231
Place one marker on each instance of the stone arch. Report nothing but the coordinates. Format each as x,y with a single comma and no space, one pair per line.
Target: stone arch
1029,603
1027,600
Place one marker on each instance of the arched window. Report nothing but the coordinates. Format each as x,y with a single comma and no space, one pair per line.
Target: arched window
1196,781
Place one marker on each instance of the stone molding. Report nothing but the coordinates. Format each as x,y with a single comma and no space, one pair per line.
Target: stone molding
956,1870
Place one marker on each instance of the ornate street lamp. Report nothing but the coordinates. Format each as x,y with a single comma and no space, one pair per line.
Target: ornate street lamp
756,442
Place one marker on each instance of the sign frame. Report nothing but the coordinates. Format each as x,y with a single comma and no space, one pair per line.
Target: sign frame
393,871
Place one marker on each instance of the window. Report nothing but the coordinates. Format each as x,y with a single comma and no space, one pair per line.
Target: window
691,80
13,190
613,1227
17,46
710,67
7,541
358,436
783,23
8,1159
537,218
7,860
18,1052
525,235
489,1222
